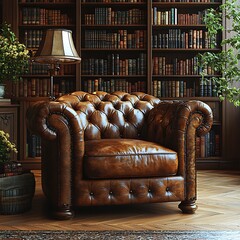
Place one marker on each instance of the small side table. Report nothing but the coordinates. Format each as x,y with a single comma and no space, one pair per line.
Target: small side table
16,193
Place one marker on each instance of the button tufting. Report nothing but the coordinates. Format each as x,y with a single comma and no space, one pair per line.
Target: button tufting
91,193
110,193
167,189
131,191
149,190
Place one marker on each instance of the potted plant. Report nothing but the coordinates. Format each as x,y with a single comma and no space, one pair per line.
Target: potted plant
17,186
225,62
6,147
14,57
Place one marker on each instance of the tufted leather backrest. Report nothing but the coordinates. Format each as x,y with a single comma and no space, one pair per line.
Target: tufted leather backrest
115,115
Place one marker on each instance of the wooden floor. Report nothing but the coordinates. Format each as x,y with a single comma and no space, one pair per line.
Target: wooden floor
218,209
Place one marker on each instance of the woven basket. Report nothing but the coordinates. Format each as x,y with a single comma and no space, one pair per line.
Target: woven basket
16,193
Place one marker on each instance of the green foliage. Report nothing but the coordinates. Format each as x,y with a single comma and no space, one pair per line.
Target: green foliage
13,56
226,62
6,147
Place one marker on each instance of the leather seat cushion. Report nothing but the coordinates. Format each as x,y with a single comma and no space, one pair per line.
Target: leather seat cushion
128,158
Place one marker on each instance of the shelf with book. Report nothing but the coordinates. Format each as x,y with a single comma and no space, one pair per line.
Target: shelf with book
178,35
33,19
114,45
187,3
184,50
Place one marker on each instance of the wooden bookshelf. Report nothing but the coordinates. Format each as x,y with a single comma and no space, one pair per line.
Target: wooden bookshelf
178,35
30,21
124,46
114,46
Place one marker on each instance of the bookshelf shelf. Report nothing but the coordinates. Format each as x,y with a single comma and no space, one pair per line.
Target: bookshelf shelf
187,5
115,76
30,99
204,99
46,4
178,26
118,4
47,76
181,76
184,50
116,26
114,49
37,26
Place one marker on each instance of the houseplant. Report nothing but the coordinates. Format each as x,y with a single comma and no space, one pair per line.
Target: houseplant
227,61
6,147
14,58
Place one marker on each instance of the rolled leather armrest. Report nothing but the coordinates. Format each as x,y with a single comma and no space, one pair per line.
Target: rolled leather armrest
42,119
169,121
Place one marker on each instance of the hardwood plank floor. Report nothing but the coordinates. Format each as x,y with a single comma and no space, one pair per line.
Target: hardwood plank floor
218,209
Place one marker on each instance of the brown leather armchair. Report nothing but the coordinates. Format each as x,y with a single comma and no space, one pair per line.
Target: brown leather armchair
119,148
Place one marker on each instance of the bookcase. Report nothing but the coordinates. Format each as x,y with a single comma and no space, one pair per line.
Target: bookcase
156,53
125,45
32,18
114,46
35,17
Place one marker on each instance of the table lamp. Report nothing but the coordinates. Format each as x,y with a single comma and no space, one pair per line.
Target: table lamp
56,48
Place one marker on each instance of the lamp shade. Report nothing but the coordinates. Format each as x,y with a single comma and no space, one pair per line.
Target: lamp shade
57,47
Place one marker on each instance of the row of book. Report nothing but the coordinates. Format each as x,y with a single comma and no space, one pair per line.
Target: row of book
106,15
172,17
112,85
208,145
164,17
32,38
191,18
40,87
33,145
207,88
120,39
114,65
46,1
36,87
188,66
109,1
197,1
172,88
182,88
176,38
142,1
43,69
43,16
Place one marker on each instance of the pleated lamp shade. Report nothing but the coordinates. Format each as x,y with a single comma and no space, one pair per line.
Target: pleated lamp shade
57,47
